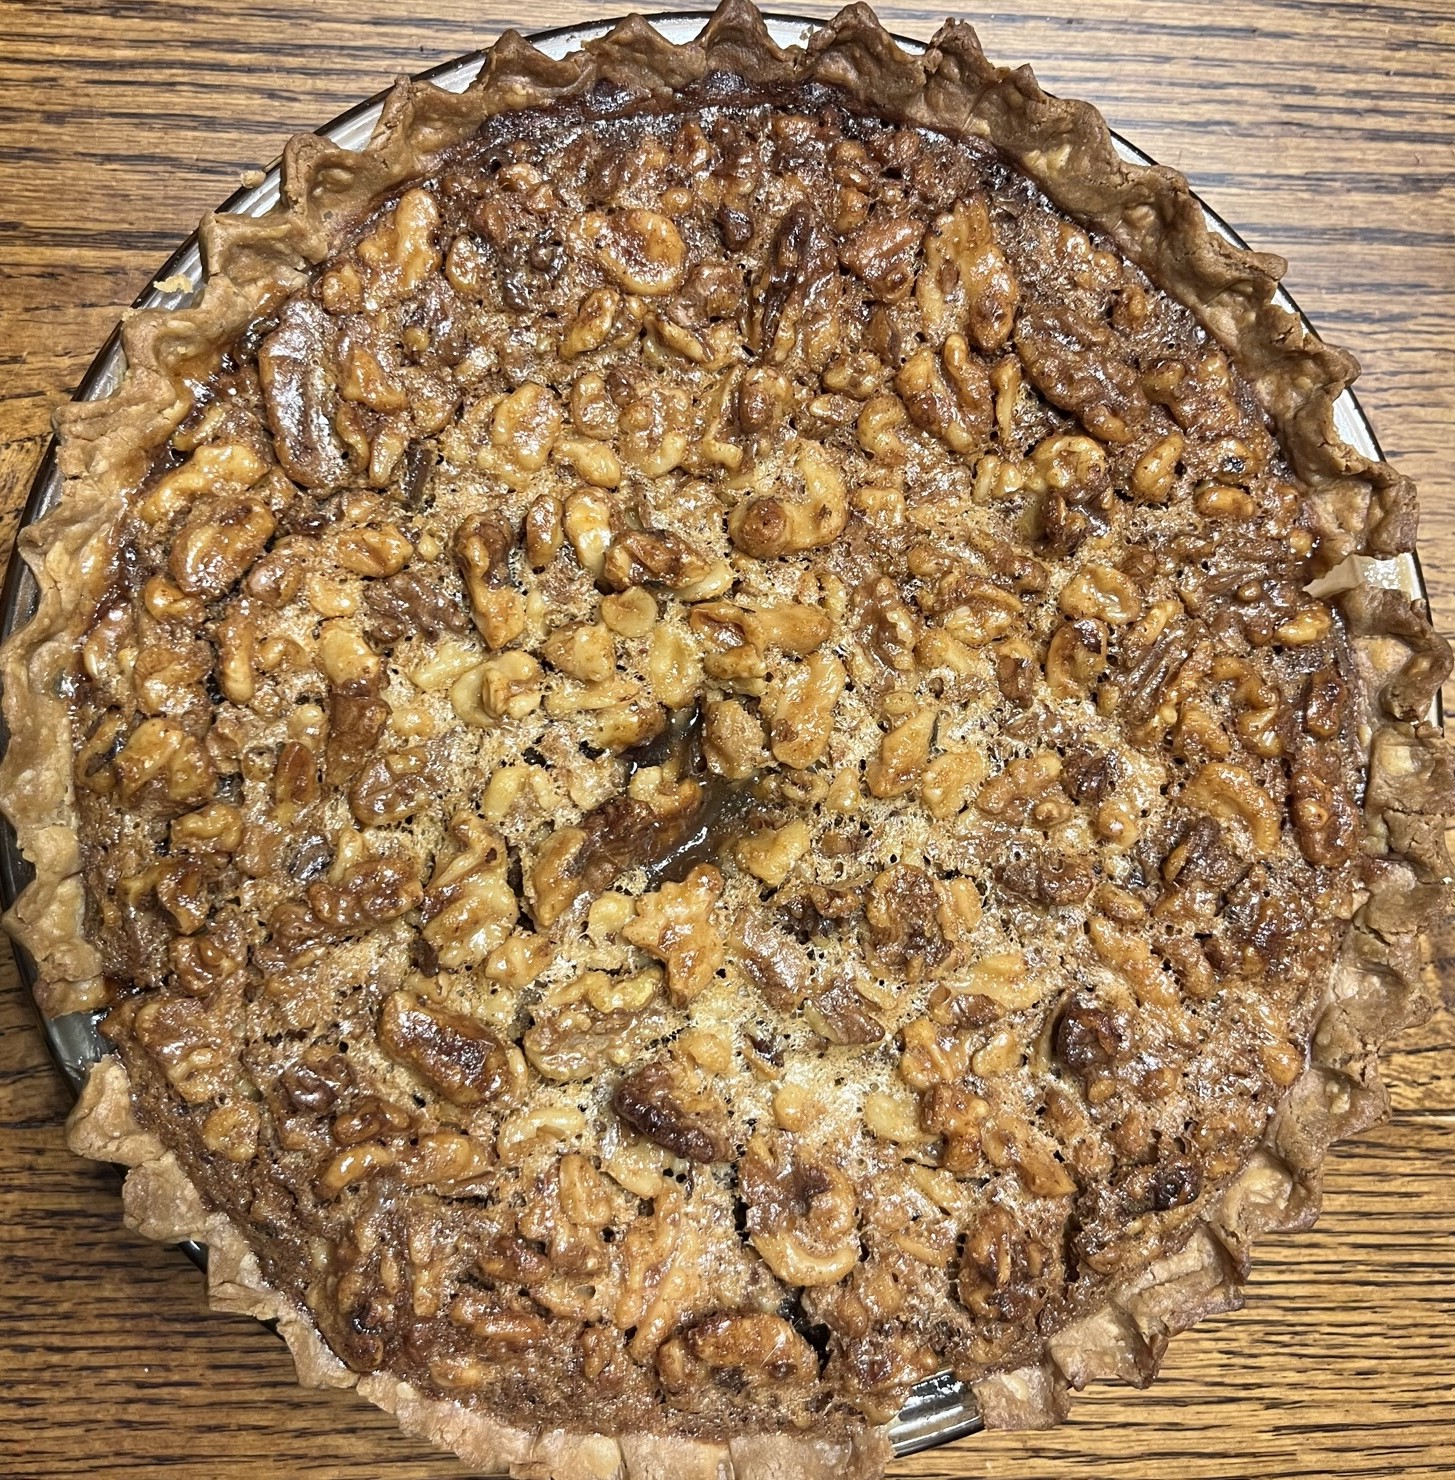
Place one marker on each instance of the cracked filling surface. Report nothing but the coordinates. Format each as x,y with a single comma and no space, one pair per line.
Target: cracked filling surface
708,783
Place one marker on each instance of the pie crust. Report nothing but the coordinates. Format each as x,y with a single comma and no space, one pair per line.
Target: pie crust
1362,512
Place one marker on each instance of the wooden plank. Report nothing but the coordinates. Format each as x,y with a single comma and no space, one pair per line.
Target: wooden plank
1323,131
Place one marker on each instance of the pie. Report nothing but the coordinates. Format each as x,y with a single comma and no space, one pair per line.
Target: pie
713,739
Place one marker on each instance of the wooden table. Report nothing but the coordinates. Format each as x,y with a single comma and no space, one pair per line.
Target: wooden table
1324,132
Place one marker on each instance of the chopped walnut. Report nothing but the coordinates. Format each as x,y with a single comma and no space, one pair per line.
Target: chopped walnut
579,1042
367,895
774,962
906,914
767,526
883,253
183,1039
841,1013
751,1348
675,924
949,395
802,1215
961,247
482,547
1070,359
801,709
162,764
463,1061
1325,816
669,1104
469,907
215,550
640,249
1004,1274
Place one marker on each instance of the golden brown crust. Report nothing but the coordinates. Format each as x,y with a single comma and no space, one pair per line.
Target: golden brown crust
1366,510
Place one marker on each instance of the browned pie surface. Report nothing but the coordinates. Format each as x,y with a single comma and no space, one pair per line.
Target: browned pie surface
707,779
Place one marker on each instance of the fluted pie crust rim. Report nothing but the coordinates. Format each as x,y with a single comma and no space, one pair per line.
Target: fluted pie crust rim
1366,511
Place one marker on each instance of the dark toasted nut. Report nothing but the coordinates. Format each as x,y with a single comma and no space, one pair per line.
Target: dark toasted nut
181,890
1087,1037
671,1107
369,894
180,1034
949,396
764,396
1326,818
410,603
1074,363
1048,877
1325,702
773,961
300,397
841,1013
801,256
315,1084
368,1118
460,1058
955,1114
1159,1188
640,557
767,526
961,249
953,1007
295,782
203,962
355,724
882,252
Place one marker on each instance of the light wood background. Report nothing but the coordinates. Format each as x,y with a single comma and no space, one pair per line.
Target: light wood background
1323,131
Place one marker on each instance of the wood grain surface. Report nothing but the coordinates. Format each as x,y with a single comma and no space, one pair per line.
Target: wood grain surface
1323,131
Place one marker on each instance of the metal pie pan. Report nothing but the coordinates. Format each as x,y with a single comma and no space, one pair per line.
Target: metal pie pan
941,1409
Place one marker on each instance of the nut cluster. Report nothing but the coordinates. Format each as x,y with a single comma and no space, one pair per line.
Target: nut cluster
708,770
